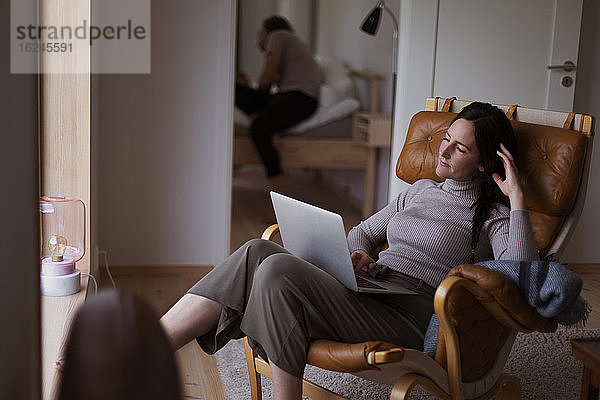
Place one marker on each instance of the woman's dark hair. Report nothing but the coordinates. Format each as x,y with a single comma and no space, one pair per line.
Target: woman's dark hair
276,22
492,127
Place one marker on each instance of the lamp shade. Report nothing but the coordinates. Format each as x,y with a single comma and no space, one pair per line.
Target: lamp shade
63,228
63,244
371,23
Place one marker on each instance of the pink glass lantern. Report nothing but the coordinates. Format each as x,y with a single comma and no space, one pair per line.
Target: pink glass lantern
63,244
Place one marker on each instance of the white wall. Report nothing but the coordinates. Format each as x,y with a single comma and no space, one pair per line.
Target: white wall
583,247
338,34
164,142
301,14
20,376
416,60
251,14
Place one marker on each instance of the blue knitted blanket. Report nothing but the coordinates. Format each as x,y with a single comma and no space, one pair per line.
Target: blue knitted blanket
549,287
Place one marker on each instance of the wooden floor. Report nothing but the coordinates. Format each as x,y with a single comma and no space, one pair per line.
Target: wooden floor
590,273
251,205
162,287
251,213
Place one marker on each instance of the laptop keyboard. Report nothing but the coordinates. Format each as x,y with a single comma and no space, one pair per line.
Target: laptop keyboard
362,282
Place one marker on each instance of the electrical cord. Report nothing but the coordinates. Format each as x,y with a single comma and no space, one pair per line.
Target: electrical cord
93,280
105,254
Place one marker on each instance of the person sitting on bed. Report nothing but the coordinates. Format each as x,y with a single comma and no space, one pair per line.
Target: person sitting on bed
291,67
282,303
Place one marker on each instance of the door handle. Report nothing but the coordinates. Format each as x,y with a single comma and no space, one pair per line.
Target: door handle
568,66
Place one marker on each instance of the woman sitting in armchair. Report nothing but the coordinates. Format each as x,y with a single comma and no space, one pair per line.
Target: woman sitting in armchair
282,303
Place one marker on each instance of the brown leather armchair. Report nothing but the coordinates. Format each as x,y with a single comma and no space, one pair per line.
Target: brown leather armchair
480,311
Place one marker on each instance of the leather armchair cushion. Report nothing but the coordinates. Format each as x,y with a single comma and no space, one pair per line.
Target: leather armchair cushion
418,158
482,336
549,160
507,294
344,357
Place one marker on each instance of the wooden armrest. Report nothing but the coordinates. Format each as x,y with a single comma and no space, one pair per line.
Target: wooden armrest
352,357
386,356
440,305
270,232
448,301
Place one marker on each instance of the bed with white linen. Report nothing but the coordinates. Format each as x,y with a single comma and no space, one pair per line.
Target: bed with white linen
324,140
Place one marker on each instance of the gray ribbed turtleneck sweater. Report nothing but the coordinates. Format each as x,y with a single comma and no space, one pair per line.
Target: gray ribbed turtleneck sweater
428,229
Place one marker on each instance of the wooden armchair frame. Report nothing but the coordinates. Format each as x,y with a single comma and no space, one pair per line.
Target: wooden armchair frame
411,367
507,385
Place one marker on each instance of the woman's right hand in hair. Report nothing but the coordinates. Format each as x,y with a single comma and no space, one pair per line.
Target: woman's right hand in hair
361,261
511,186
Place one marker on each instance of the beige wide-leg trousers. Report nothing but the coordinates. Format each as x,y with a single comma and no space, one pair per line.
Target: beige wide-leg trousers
282,303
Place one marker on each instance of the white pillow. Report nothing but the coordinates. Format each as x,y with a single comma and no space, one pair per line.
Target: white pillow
328,96
335,75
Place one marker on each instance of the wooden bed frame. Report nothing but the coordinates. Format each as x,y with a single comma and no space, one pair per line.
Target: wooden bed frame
356,152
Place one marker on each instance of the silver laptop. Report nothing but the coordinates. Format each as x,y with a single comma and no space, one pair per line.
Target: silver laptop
318,236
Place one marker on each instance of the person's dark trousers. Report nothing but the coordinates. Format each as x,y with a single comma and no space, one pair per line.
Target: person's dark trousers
274,112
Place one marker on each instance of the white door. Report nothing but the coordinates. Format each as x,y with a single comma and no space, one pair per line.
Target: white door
489,50
501,51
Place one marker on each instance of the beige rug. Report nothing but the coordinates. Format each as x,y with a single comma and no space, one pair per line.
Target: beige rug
543,362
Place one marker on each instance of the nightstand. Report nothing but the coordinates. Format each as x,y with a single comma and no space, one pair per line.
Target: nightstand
588,352
375,130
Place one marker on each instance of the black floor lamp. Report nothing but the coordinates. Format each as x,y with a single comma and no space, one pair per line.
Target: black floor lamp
370,25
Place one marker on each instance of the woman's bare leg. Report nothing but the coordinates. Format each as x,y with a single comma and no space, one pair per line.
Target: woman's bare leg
190,317
285,386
